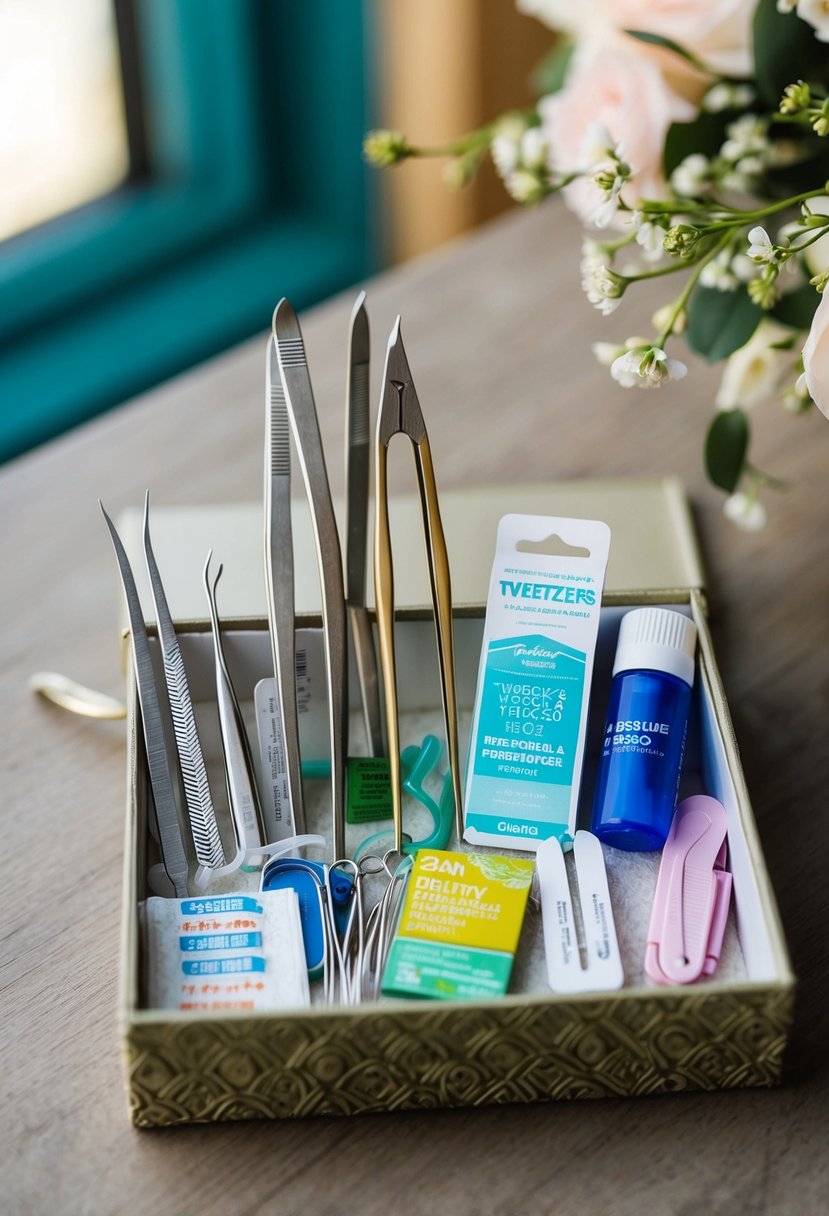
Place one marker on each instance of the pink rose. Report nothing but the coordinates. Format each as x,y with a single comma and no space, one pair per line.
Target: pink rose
609,84
816,356
717,31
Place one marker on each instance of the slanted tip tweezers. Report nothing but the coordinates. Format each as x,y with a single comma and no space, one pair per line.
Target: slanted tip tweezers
400,414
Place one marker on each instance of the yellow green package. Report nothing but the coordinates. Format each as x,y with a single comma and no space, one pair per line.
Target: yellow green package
460,925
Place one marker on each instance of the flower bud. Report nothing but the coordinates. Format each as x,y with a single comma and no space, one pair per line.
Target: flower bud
681,240
796,97
385,148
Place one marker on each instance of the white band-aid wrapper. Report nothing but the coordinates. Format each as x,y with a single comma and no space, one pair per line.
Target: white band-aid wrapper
226,953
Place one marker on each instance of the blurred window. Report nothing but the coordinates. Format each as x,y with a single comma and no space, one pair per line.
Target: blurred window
169,169
63,133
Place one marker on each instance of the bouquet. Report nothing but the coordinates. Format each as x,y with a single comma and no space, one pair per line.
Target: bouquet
692,139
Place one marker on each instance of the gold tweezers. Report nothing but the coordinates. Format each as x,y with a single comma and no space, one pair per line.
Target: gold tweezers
400,414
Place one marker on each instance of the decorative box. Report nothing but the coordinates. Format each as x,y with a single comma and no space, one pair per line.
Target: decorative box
529,1045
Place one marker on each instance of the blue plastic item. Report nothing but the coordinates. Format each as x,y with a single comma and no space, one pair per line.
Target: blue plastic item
644,738
308,879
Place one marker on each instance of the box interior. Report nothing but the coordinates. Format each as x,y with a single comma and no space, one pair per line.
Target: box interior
753,951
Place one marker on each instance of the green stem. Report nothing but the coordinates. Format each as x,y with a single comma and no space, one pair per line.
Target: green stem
819,233
685,294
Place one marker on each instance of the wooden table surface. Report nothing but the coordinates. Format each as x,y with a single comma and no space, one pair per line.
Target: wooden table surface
498,335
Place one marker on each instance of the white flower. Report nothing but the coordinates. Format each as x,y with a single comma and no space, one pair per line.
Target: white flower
761,248
646,367
505,146
649,235
754,371
752,166
816,14
598,148
718,273
524,186
797,398
743,267
504,152
690,177
605,211
746,511
603,288
747,134
725,96
534,148
786,6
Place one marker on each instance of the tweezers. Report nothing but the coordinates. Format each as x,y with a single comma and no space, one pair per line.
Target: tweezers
279,576
400,414
357,468
161,763
302,413
242,794
198,799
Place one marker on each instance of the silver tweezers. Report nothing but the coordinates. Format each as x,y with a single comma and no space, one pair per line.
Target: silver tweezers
357,473
279,577
400,414
161,763
302,413
200,810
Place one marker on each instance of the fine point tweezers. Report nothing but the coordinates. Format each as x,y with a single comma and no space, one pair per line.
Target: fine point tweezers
357,471
241,783
159,762
279,576
400,414
205,829
302,413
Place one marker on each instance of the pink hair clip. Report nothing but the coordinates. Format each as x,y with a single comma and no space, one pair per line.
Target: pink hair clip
693,892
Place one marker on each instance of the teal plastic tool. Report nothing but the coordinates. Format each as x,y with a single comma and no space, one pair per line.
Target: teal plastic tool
417,763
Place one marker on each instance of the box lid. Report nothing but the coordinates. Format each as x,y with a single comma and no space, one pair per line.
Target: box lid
653,546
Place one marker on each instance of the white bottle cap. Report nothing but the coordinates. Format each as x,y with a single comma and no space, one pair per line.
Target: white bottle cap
656,639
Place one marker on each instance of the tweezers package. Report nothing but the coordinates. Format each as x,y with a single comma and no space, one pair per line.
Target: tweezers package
530,718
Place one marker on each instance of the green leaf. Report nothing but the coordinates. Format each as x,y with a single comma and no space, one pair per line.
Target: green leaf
785,50
720,322
797,308
549,75
667,43
705,134
726,445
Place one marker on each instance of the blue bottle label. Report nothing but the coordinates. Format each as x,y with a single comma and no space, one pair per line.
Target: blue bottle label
528,732
641,760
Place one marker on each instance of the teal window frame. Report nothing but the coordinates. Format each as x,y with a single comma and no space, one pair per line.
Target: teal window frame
255,112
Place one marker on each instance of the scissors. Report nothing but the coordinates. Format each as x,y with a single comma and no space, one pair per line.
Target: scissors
400,414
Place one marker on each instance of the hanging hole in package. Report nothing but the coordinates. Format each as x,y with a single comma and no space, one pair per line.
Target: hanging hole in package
511,858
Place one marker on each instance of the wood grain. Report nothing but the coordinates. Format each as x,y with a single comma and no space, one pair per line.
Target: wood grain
498,336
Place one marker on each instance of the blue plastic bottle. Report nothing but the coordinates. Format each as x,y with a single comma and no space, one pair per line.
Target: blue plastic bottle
644,737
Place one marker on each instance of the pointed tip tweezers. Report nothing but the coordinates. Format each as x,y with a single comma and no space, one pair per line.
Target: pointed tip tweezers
159,762
400,413
200,810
